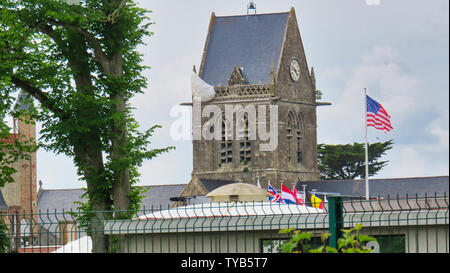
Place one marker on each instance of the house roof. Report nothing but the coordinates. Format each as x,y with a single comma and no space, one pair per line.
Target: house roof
11,139
381,187
157,197
211,184
3,205
250,42
59,200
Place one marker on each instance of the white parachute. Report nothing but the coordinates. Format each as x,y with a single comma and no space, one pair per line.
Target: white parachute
200,89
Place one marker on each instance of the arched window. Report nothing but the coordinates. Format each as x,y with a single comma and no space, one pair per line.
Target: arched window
245,147
299,138
291,130
226,145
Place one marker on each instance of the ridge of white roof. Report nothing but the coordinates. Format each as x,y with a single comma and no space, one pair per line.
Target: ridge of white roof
227,209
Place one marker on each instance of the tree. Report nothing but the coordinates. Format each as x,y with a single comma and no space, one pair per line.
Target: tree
81,64
348,161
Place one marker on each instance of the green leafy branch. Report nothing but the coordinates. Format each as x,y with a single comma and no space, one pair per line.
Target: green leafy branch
352,241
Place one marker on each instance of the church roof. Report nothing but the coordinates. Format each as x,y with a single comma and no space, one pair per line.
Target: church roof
382,187
251,42
22,102
3,205
211,184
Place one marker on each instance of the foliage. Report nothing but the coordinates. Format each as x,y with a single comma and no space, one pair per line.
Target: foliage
81,64
348,161
351,242
4,238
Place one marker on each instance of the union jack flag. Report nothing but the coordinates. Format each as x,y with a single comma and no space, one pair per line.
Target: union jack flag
377,116
276,198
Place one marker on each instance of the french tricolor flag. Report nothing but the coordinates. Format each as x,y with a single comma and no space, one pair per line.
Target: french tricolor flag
287,195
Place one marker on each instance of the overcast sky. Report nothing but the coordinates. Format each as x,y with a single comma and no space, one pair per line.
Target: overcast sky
398,49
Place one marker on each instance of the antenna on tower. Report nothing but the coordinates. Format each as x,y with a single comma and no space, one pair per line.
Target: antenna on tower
251,6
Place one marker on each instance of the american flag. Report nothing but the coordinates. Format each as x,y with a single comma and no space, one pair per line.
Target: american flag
377,116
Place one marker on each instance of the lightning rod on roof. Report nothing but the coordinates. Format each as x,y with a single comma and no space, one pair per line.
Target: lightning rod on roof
251,6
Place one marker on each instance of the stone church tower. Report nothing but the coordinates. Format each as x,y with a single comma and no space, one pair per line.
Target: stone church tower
21,195
259,60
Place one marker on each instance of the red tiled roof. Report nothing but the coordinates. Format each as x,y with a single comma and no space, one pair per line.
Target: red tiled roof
11,139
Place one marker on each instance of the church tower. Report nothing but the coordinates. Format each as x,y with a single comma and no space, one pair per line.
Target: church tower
21,195
259,60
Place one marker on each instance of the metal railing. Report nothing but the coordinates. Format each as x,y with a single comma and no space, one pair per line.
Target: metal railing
410,224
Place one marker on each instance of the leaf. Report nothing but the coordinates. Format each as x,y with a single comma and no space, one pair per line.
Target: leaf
366,238
325,236
330,249
317,250
301,236
288,247
286,230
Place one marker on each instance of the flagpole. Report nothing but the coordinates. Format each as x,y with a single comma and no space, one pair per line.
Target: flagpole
367,152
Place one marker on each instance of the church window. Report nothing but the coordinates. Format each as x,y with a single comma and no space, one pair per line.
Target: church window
299,136
226,145
245,147
291,130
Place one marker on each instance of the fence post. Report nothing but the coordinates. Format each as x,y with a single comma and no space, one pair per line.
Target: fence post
335,219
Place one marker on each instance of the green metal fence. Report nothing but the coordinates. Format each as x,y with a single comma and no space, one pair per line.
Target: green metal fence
409,224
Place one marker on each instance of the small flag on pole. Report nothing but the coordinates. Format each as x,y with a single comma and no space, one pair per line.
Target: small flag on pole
276,198
298,197
287,195
377,116
316,202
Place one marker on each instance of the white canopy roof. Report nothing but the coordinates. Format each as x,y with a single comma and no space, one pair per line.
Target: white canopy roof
231,209
82,245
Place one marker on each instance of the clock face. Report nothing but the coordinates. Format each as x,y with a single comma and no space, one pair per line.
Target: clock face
294,69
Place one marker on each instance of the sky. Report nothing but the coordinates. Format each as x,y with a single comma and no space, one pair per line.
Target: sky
398,50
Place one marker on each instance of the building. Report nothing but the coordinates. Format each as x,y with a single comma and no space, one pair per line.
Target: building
379,188
258,60
22,194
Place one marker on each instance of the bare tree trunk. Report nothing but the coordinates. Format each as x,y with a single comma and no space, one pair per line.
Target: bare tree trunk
119,143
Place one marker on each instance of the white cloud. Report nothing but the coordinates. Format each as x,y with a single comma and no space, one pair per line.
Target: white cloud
380,72
414,161
420,130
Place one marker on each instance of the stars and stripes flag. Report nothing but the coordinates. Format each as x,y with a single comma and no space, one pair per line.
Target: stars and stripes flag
377,116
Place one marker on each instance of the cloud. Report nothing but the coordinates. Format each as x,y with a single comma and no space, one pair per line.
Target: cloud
414,161
381,73
420,128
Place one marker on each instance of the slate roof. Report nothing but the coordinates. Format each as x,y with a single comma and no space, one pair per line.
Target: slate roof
22,102
157,197
3,205
214,184
381,187
252,42
59,200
